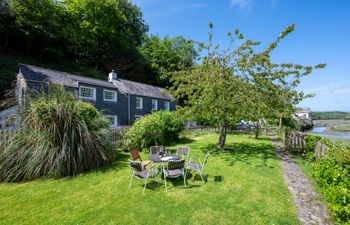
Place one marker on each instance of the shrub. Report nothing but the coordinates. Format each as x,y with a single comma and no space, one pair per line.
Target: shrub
309,152
157,128
332,174
60,136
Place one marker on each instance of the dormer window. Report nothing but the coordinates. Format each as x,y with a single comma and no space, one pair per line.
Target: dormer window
109,95
87,93
154,104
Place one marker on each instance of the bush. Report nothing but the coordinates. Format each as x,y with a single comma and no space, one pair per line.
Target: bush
158,128
311,141
60,136
332,174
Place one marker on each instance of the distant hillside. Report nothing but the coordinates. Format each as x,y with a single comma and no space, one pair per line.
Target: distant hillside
333,115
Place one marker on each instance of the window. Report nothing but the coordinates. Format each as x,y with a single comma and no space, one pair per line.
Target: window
113,120
109,95
137,117
139,103
167,106
87,93
154,104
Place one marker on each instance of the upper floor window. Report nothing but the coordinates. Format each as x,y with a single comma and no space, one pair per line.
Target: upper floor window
137,117
154,104
139,103
167,106
113,120
109,95
87,92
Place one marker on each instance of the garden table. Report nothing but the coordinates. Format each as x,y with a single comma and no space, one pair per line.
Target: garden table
163,159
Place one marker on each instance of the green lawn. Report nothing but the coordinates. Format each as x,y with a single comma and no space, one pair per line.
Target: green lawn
251,191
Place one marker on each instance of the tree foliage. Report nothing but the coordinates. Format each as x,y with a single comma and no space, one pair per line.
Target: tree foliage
89,37
166,56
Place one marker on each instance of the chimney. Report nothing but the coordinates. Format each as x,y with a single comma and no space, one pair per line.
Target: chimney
112,76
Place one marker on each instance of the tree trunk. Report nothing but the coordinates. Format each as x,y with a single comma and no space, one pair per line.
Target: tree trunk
222,138
280,123
257,130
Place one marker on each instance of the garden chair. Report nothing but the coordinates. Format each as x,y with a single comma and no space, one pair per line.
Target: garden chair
141,173
135,155
174,169
196,164
154,150
183,151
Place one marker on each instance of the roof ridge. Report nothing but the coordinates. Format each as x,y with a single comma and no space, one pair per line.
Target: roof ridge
142,83
126,86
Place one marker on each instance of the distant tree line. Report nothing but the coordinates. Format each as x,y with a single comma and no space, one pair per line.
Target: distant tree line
334,115
90,37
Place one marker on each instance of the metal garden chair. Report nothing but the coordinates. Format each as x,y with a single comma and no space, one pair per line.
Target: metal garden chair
196,164
135,155
184,151
154,150
174,169
141,173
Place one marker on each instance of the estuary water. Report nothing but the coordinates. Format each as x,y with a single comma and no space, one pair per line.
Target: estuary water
322,131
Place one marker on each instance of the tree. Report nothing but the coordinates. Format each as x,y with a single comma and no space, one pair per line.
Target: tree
239,83
165,56
215,89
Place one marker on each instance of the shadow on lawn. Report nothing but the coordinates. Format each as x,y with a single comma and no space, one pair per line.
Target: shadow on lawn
256,154
120,162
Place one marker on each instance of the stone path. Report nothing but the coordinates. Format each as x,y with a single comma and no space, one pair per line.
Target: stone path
310,209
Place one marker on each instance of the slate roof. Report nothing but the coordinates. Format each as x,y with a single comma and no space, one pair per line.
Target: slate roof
39,74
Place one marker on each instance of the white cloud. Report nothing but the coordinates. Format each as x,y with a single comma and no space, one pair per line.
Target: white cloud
243,4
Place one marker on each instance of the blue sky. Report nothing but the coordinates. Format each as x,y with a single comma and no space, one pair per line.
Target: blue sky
322,35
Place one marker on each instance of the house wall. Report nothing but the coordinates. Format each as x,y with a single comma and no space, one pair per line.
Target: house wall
119,108
147,106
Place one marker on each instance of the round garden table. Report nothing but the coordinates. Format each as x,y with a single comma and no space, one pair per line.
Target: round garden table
165,158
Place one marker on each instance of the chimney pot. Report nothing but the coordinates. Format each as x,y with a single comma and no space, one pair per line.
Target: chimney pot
112,76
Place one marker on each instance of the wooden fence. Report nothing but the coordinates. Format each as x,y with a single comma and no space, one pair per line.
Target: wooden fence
116,133
5,135
264,130
295,142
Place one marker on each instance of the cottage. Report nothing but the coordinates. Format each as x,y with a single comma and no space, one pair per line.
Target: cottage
302,113
122,101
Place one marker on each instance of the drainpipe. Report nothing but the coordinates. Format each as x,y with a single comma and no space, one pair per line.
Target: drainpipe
128,107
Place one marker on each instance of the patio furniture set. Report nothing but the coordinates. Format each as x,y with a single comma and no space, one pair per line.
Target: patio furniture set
161,161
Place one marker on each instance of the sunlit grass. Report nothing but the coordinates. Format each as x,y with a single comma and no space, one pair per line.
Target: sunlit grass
249,189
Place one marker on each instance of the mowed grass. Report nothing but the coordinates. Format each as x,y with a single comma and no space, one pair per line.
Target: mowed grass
244,186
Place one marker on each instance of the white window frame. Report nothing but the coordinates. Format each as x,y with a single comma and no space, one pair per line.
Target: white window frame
110,100
141,102
167,106
138,117
115,118
156,101
93,93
